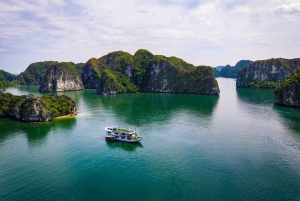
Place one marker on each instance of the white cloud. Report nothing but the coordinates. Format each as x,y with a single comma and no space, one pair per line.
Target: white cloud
201,32
291,8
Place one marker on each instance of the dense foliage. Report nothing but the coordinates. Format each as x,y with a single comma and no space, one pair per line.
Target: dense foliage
267,73
34,74
120,72
58,105
6,80
288,93
231,71
7,76
11,105
141,68
262,84
91,73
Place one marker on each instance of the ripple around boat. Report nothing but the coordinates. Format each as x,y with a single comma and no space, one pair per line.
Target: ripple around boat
121,134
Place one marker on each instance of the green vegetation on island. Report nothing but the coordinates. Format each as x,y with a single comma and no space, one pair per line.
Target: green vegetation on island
262,84
7,80
61,77
120,72
267,73
35,109
34,74
230,71
288,93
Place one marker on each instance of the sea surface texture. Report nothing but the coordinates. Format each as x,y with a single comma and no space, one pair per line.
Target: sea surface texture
236,146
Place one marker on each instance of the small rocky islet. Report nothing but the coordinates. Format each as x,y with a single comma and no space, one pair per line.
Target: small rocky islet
29,108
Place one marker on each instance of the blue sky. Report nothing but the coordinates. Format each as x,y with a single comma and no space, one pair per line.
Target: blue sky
200,32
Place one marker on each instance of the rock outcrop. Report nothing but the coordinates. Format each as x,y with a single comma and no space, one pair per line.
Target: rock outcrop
61,77
29,108
165,77
288,93
90,73
120,72
34,73
266,73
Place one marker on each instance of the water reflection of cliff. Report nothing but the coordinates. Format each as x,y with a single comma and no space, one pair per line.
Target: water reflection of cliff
255,95
36,133
141,108
290,116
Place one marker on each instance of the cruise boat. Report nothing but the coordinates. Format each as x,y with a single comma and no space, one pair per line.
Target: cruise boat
121,134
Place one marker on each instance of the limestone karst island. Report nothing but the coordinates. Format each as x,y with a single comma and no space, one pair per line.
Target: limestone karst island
120,72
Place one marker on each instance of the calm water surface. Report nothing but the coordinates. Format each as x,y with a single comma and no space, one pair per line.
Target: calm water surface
236,146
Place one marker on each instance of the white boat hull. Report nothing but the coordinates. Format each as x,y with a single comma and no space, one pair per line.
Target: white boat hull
122,135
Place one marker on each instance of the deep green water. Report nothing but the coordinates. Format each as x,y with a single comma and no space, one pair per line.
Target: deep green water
236,146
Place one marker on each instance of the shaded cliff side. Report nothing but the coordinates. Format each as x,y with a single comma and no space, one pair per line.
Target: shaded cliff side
288,93
61,77
121,72
33,109
266,73
90,73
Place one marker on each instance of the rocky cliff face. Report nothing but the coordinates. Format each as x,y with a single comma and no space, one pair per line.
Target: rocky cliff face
167,78
90,74
34,74
61,77
24,108
121,72
116,76
29,108
288,93
266,73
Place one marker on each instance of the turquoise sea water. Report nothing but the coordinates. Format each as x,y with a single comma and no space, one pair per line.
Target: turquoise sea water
236,146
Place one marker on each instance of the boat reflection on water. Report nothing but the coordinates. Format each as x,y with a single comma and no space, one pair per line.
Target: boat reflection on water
130,147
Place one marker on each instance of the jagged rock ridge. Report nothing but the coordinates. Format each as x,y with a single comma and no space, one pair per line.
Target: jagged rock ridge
266,73
120,72
34,73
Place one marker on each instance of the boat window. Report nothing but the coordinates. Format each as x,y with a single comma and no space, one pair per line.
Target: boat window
116,136
108,132
129,138
123,137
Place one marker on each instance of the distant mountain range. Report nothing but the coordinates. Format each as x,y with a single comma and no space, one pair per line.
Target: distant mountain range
230,71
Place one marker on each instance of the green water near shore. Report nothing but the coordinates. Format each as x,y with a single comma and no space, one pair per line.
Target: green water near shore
236,146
